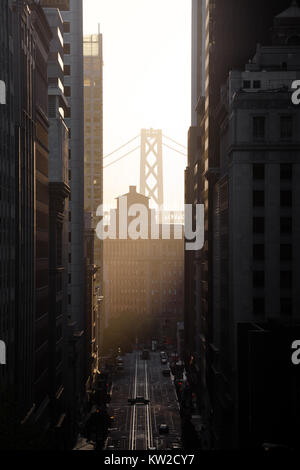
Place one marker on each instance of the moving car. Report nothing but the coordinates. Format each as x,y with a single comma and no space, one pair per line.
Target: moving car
145,354
139,400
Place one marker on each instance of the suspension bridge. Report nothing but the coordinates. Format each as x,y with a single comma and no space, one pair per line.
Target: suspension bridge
151,143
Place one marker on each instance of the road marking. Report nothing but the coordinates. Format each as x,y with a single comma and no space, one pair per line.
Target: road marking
132,439
149,439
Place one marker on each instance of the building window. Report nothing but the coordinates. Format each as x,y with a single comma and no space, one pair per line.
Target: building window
259,124
70,258
286,127
286,252
69,299
258,198
67,48
66,27
286,306
259,306
59,245
67,91
259,171
258,279
259,225
246,84
286,198
286,225
68,115
67,69
286,279
286,171
256,84
259,252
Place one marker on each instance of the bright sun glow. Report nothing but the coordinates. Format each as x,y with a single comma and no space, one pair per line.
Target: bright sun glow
147,83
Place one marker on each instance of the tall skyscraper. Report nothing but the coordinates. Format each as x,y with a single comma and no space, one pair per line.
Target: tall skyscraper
73,62
225,35
8,197
255,245
93,147
25,203
41,151
59,192
72,15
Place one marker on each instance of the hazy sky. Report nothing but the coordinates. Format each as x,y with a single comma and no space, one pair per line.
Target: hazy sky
147,83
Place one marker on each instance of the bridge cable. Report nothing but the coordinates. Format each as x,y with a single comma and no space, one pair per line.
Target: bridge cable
174,141
122,146
121,158
174,150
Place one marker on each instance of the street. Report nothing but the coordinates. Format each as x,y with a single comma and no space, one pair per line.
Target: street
136,426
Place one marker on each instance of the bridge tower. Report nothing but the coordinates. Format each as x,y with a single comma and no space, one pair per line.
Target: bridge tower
151,169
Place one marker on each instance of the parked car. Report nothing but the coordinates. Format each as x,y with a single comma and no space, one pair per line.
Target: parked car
163,429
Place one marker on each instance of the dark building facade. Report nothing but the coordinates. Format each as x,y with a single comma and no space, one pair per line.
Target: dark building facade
7,195
42,38
224,38
91,303
25,155
93,146
145,276
59,192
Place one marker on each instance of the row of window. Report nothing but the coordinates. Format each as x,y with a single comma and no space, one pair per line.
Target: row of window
259,127
247,84
286,171
286,198
286,252
286,225
286,306
286,279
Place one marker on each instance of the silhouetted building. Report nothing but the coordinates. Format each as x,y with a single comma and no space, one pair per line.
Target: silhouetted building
59,192
243,168
42,38
71,12
145,276
93,147
8,201
91,302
